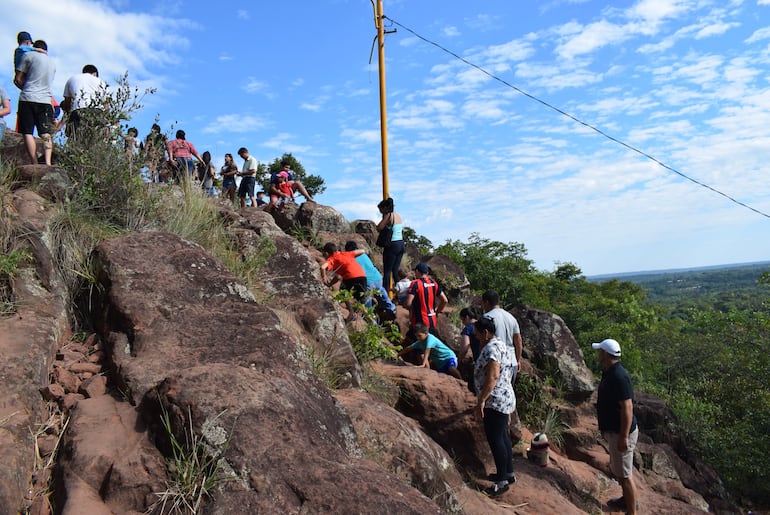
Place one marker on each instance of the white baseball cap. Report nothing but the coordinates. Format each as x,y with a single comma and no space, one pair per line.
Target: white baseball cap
609,346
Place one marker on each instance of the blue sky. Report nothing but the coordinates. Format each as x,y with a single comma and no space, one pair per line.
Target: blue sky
686,81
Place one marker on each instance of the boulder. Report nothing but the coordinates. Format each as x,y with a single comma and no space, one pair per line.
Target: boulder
53,182
184,335
450,276
12,148
291,281
443,406
286,445
367,229
548,343
285,216
403,449
322,218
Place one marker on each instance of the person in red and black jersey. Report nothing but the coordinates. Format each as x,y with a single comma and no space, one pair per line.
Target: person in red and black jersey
421,298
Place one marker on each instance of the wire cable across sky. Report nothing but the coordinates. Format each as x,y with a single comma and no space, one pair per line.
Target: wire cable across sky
577,120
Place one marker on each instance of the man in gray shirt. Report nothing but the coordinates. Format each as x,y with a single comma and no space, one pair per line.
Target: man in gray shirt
506,326
34,77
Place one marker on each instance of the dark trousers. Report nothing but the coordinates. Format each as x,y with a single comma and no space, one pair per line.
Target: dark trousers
391,262
357,286
499,439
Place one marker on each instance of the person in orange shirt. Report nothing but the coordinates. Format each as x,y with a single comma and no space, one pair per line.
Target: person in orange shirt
344,264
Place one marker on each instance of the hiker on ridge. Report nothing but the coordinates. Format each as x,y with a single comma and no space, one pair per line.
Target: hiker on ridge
34,77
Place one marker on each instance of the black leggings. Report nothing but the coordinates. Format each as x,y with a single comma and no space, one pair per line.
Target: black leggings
499,439
357,286
391,262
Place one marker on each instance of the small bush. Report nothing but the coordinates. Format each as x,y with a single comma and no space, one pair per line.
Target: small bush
194,468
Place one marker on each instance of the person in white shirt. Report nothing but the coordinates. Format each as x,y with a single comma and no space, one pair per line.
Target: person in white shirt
82,95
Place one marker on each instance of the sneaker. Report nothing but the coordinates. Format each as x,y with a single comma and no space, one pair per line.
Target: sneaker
493,477
618,503
495,490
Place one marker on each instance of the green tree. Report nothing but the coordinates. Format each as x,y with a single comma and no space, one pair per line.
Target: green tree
716,368
313,183
424,245
491,265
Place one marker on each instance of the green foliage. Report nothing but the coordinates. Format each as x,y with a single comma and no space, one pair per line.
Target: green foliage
716,368
9,262
314,184
740,287
537,408
423,244
195,468
322,363
107,180
373,341
305,234
491,265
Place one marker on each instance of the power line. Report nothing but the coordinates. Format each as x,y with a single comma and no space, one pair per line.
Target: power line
578,120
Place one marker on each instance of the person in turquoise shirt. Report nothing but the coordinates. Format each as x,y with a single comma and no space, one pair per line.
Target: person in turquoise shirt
373,279
435,353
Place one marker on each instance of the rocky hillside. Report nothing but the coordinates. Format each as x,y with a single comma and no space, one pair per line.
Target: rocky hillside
185,369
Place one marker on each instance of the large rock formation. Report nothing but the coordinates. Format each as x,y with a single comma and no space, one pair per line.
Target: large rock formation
186,338
181,339
549,344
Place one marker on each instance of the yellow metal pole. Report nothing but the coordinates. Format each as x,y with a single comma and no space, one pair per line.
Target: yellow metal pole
378,20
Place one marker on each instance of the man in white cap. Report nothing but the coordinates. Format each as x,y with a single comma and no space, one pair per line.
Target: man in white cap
617,423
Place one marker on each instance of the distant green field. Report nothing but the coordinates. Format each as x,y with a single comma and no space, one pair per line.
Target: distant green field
725,287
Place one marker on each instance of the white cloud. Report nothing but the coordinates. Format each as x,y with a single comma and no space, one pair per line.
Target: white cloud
234,123
361,136
242,14
714,30
592,37
254,85
282,142
760,34
116,42
450,32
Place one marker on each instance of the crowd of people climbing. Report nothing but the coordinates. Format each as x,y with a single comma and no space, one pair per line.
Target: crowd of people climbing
493,337
160,158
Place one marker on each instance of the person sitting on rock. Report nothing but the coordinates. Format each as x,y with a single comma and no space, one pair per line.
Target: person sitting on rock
283,190
435,353
344,264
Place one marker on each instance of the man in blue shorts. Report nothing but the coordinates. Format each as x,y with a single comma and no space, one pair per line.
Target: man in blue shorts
248,177
434,352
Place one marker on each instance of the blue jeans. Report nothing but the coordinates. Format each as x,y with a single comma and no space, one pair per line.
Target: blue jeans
2,128
381,294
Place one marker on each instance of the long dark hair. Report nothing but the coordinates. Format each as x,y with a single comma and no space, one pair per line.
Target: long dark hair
386,206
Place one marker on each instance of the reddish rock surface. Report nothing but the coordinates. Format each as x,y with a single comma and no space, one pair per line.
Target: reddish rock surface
197,344
178,334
